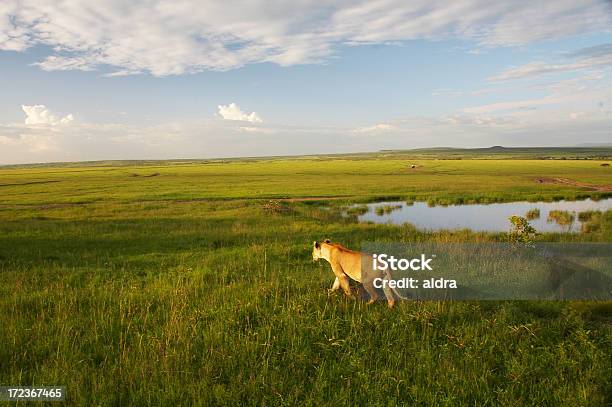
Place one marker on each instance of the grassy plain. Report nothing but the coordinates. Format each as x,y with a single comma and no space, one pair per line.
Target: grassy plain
149,284
295,178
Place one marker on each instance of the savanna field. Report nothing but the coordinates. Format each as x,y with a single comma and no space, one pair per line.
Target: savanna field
192,283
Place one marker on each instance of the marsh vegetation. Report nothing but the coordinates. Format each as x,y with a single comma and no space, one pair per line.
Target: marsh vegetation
533,214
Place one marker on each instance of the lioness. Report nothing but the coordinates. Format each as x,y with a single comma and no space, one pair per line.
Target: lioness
347,263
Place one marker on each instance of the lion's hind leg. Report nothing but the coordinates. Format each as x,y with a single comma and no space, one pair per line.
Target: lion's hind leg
368,278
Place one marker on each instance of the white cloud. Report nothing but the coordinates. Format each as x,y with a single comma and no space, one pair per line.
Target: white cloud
478,120
40,115
21,143
13,36
233,112
589,92
377,128
571,113
540,68
597,57
512,105
260,130
187,36
72,63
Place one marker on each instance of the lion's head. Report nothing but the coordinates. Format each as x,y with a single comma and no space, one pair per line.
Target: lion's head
316,249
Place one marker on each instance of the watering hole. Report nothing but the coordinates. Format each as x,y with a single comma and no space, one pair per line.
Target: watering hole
560,216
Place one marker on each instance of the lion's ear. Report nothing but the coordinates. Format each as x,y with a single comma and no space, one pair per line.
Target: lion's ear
316,245
327,241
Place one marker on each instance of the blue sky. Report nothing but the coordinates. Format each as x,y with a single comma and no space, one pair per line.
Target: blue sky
132,80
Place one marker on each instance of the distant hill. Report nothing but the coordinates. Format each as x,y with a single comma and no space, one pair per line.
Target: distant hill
501,152
594,145
439,153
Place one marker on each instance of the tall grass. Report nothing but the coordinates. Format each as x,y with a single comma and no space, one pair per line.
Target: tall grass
148,295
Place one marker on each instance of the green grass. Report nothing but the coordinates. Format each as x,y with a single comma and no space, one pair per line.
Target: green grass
453,180
591,221
184,288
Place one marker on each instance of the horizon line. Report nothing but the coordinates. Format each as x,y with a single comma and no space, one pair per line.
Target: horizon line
382,151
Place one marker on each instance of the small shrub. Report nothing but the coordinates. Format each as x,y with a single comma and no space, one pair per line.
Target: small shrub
591,221
562,218
533,214
590,227
357,210
386,209
588,215
521,232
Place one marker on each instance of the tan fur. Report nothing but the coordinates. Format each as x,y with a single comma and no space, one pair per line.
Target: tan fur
345,264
